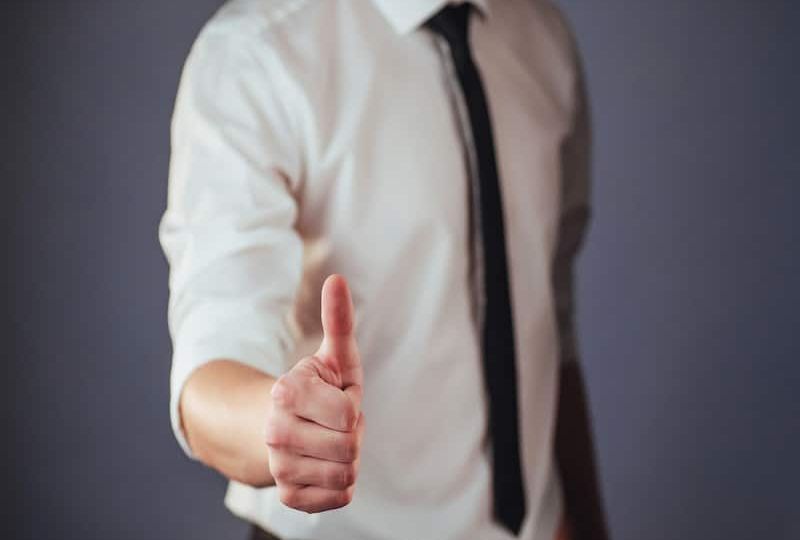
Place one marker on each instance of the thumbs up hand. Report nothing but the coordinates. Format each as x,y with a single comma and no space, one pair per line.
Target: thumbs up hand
315,425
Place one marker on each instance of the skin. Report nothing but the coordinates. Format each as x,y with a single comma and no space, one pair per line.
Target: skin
310,418
312,424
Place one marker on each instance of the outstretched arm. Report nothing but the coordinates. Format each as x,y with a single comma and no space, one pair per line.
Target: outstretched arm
301,432
223,408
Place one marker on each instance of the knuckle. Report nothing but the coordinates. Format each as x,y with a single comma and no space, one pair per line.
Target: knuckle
283,392
281,471
277,435
289,497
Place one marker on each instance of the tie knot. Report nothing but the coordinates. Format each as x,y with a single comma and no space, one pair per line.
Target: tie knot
452,23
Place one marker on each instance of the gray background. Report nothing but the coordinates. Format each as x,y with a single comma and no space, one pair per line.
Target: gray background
688,282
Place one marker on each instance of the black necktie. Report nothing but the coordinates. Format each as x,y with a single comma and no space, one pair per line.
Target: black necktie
498,331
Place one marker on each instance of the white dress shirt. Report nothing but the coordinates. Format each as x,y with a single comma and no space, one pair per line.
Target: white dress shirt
319,136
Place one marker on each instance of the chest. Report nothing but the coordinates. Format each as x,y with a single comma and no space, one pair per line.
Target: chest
386,157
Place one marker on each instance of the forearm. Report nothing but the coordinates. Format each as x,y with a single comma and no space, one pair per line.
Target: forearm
224,406
575,454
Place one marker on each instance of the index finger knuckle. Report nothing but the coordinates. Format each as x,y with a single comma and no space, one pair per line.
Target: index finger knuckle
284,392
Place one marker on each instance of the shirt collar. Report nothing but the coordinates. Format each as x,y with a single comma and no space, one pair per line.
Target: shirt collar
407,15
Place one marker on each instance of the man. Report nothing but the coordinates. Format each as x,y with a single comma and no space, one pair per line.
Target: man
436,155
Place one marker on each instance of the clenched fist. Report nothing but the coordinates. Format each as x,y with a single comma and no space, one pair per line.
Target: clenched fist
315,425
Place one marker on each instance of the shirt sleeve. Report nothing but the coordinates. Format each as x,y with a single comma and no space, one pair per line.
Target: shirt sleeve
228,231
575,214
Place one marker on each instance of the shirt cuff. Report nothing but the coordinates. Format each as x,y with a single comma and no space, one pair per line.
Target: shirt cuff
190,355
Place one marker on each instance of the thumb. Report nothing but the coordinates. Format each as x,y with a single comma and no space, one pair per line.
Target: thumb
338,348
